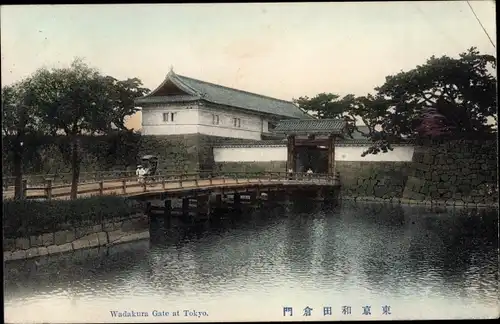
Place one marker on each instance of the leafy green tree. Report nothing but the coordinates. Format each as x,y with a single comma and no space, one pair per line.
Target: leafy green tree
18,122
78,101
443,98
325,105
330,105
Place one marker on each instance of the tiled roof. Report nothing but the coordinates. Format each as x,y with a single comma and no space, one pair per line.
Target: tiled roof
310,126
263,143
222,95
283,143
164,99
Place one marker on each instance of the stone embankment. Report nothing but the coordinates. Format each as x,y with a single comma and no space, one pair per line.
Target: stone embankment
115,231
406,201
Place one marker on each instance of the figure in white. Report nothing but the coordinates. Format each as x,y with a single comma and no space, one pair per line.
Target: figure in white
140,172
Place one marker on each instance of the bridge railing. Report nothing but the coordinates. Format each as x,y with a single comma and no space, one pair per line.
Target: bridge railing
66,177
128,184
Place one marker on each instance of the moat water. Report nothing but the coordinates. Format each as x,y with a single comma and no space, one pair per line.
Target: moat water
402,262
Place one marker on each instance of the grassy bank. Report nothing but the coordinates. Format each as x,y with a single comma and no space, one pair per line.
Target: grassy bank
27,217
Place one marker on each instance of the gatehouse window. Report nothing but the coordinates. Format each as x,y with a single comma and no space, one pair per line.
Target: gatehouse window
168,117
236,122
215,119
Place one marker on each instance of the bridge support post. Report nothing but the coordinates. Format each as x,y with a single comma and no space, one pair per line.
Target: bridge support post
253,197
203,207
332,195
237,200
291,152
168,213
331,156
168,209
218,201
271,195
185,206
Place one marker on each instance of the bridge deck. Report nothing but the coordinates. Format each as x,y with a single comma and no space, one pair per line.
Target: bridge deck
128,187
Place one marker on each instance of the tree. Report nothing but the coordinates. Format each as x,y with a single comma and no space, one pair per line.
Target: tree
324,105
78,101
18,122
329,105
445,97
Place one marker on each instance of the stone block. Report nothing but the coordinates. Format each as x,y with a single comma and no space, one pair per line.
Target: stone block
43,250
7,255
115,235
18,255
22,243
36,240
103,238
48,239
91,240
63,237
395,200
9,244
108,227
83,231
32,252
133,237
54,249
128,225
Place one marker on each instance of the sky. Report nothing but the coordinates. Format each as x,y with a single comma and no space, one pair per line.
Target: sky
283,50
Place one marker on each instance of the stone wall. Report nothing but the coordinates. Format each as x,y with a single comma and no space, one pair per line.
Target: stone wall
373,179
115,231
459,170
181,153
175,152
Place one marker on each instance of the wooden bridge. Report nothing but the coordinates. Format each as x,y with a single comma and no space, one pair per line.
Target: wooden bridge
176,185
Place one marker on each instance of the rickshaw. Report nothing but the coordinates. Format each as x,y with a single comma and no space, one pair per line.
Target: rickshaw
150,163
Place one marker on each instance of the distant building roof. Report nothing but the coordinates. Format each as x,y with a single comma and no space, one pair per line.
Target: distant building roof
310,126
189,89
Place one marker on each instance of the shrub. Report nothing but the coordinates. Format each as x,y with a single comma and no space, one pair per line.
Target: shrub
23,218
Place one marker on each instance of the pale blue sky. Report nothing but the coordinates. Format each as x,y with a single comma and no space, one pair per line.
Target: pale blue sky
281,50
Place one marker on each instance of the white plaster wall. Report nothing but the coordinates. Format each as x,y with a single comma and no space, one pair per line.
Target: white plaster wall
185,121
250,126
228,132
265,125
250,154
279,153
192,119
353,153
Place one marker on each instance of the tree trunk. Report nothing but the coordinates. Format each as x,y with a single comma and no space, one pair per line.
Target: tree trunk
75,167
18,169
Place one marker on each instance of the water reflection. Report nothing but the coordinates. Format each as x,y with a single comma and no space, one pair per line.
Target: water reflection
302,251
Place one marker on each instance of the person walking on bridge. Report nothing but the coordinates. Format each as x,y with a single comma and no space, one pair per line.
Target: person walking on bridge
140,172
